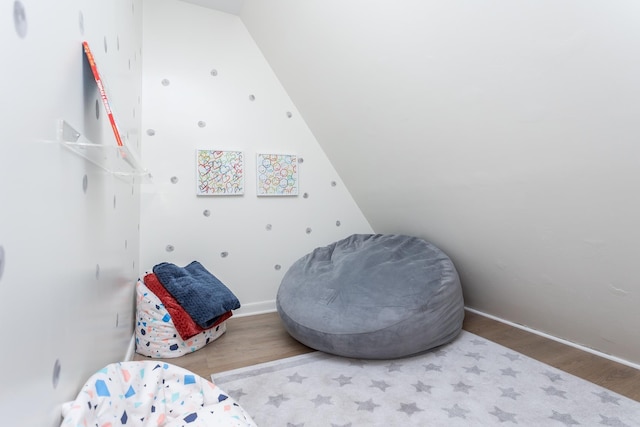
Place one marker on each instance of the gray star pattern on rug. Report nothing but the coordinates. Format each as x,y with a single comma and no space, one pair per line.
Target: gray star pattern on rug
565,419
474,370
420,387
511,356
393,366
382,385
237,394
503,415
342,380
320,389
295,378
277,400
456,411
478,342
552,391
607,398
343,425
474,355
612,421
409,408
509,392
440,353
367,405
509,372
552,376
432,367
322,400
464,388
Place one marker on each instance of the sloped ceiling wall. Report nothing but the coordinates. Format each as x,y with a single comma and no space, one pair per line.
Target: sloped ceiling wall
504,132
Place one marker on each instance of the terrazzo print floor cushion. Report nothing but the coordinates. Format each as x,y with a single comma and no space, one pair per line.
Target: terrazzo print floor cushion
372,296
152,394
156,335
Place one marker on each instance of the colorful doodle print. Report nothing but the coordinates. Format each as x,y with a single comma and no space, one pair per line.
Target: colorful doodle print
277,175
220,172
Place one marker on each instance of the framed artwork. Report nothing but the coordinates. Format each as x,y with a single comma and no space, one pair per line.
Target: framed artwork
277,174
219,173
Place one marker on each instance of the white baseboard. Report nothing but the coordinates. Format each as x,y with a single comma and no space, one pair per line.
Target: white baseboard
560,340
131,350
255,308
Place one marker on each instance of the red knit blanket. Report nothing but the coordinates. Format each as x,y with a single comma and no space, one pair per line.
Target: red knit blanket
184,324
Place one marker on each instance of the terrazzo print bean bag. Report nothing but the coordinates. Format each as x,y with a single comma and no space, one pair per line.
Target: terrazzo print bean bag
149,393
156,335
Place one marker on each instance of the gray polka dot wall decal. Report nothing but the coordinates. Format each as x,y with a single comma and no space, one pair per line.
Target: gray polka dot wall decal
277,266
206,212
224,254
305,195
268,227
214,72
129,64
56,373
134,112
308,230
289,115
2,262
151,132
85,183
333,183
117,319
252,98
300,160
81,22
165,82
169,248
126,243
202,124
174,179
338,223
118,42
97,110
105,44
97,271
114,202
20,19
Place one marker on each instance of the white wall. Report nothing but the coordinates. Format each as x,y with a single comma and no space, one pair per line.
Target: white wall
505,132
68,229
261,236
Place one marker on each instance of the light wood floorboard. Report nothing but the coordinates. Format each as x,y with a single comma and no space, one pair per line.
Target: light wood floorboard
262,338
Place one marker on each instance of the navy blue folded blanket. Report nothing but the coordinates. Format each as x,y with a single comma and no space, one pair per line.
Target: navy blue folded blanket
200,293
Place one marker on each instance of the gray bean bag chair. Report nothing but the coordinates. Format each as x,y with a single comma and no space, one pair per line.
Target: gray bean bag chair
372,296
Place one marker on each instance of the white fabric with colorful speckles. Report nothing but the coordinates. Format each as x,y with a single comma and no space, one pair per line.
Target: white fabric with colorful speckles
156,335
150,393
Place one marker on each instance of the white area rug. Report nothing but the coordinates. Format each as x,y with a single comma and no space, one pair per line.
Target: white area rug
470,382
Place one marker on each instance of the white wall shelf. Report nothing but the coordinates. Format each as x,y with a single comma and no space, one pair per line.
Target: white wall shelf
115,159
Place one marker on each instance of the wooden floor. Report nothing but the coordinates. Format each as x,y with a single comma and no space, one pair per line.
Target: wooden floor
262,338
